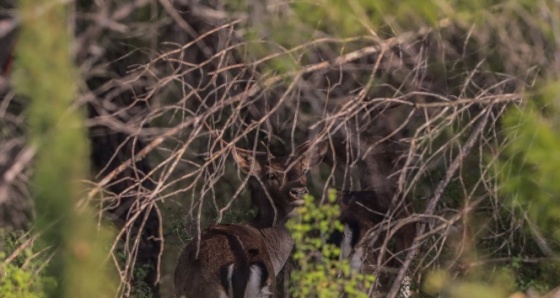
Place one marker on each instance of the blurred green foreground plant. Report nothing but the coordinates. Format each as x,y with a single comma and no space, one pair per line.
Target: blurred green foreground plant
319,271
45,73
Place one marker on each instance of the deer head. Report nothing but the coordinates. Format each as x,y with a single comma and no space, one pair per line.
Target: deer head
278,183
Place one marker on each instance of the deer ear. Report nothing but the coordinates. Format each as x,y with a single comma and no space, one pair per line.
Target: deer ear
313,156
246,161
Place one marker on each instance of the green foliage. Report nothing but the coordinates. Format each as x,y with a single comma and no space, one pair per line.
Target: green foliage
482,284
342,18
139,288
350,18
22,277
18,283
528,177
320,272
529,173
240,214
540,277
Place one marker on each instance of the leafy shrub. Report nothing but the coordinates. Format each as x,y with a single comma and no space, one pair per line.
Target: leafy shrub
22,276
319,271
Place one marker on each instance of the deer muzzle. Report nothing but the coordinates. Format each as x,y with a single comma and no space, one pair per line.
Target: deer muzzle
297,194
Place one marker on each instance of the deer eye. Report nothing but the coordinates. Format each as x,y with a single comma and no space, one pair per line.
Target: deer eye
271,176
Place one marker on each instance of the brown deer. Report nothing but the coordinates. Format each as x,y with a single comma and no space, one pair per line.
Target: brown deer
369,215
242,260
360,213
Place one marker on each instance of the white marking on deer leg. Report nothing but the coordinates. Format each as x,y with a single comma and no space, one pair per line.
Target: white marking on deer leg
229,277
357,259
346,245
405,289
253,289
265,292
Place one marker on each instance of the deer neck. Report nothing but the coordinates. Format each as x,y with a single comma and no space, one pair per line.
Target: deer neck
268,215
279,244
271,222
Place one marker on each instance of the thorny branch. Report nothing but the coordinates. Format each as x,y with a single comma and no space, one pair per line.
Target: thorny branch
463,153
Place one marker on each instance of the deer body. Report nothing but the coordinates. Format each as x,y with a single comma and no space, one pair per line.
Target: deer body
242,260
237,260
361,211
377,159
